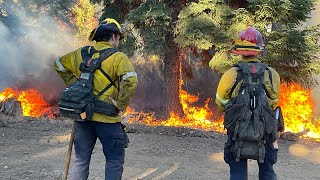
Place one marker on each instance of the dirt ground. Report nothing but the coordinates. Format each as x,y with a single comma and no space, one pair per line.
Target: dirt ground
35,149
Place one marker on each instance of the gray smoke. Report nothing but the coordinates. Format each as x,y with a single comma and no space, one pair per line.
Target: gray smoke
29,47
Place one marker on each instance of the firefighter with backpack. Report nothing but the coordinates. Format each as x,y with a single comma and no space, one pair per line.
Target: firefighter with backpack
247,93
109,79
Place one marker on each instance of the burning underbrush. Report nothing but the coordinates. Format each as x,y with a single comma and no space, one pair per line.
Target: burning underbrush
195,117
296,103
32,103
298,110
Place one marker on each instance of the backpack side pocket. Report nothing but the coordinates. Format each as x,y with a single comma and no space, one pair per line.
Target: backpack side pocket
271,123
232,114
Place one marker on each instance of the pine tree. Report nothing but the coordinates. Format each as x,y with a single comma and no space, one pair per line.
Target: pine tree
156,20
167,27
291,51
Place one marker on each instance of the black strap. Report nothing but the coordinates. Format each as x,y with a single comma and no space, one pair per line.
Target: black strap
104,90
240,76
112,83
84,52
96,63
108,77
251,47
261,76
101,58
270,76
86,55
238,79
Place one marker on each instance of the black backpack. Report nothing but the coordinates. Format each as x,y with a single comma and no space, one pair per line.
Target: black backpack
78,98
249,117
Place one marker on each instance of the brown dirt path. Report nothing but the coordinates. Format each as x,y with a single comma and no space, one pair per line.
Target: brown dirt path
35,149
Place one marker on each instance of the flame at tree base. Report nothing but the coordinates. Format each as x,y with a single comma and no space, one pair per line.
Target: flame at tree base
296,104
176,121
195,117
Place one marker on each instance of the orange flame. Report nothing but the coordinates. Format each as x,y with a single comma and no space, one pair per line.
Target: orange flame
31,100
296,104
195,117
297,108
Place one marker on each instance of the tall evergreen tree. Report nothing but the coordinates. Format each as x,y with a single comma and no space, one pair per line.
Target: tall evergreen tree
290,50
167,26
156,19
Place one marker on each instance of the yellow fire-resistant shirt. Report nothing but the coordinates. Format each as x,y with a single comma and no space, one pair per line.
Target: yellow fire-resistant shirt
117,66
229,78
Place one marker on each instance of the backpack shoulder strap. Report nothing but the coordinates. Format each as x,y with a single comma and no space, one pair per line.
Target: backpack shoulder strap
239,67
106,53
86,54
97,65
270,75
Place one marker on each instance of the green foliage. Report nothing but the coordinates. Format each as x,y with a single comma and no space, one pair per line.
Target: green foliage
132,44
270,10
153,19
202,24
112,11
118,9
223,61
59,9
286,12
212,24
294,54
240,21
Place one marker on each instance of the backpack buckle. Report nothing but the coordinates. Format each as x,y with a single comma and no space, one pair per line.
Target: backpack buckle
253,102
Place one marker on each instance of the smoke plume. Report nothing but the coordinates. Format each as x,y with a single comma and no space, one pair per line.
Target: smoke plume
29,48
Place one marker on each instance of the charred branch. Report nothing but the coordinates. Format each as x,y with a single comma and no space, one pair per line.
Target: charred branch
290,136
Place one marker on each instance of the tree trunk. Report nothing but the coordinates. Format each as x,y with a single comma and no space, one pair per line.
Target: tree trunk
172,70
172,75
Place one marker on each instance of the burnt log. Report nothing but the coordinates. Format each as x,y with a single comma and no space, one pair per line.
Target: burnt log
293,136
11,107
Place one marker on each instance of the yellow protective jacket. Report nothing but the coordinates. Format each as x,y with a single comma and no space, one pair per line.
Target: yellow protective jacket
229,78
117,66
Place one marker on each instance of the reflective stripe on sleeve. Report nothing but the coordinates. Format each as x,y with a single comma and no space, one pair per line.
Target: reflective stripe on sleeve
60,66
129,74
223,101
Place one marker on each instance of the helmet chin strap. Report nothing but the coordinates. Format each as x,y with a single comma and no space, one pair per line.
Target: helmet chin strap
250,57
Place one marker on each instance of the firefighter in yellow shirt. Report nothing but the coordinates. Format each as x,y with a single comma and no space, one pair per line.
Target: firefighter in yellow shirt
107,128
249,45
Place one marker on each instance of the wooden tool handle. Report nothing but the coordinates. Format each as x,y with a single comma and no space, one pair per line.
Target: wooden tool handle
68,158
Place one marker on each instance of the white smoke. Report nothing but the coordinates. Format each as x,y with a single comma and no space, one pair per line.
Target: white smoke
28,50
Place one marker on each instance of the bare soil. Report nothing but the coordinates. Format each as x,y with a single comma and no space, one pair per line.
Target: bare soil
35,149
